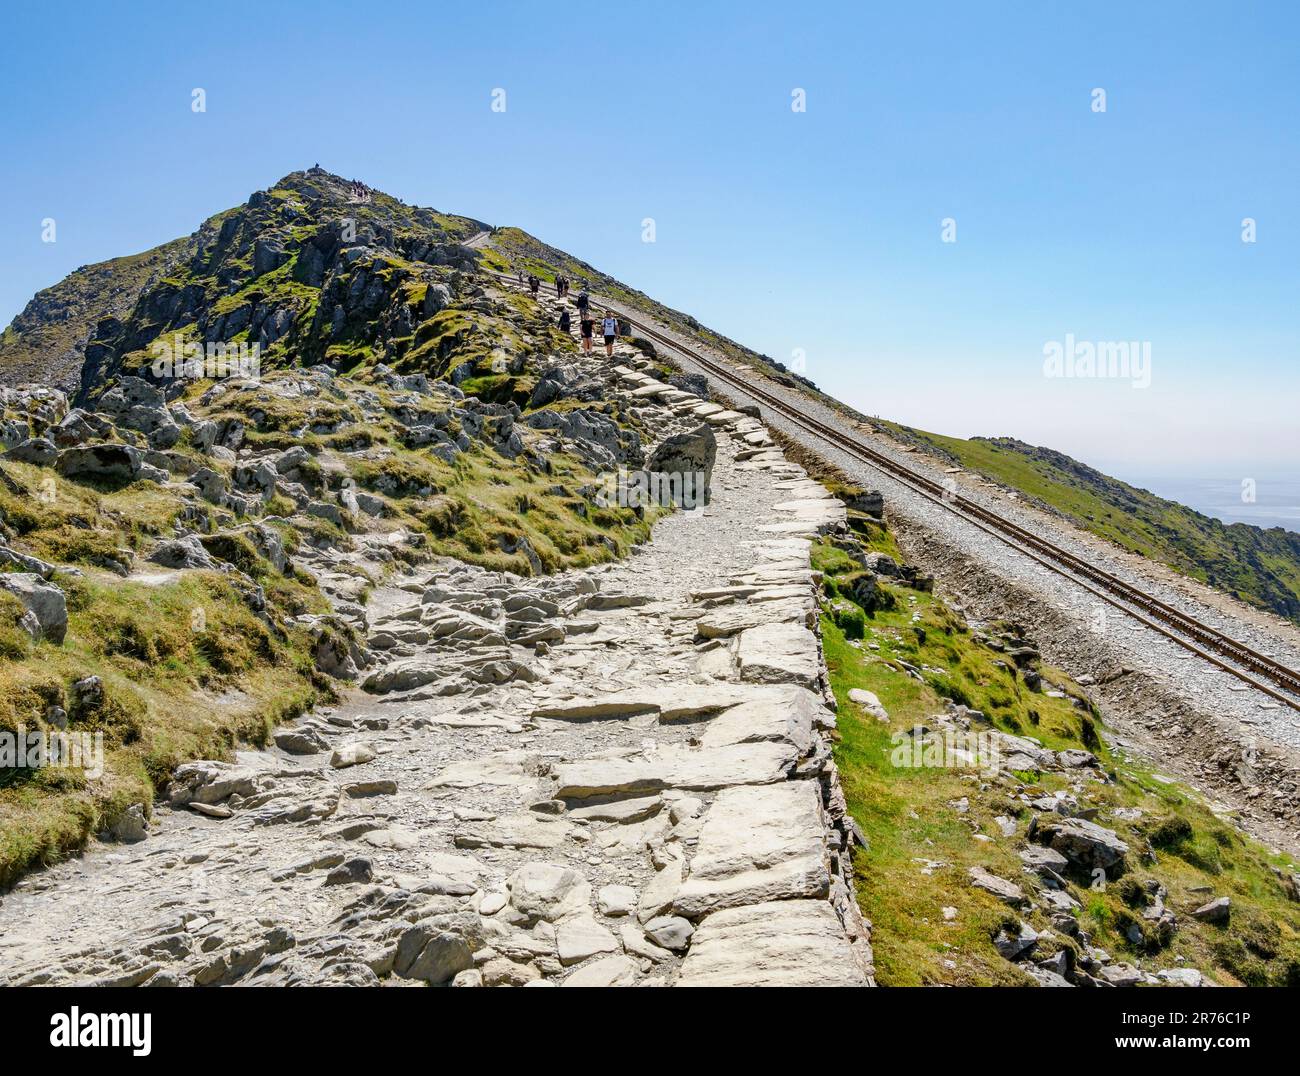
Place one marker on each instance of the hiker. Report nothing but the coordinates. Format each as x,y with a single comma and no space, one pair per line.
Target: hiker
587,326
565,322
610,328
534,282
584,301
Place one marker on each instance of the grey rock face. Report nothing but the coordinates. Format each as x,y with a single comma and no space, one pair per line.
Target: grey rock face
103,462
185,552
35,450
43,601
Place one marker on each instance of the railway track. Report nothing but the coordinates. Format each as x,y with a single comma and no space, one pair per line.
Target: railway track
1258,670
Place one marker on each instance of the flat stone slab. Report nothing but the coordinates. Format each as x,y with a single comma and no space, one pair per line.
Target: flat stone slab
759,843
503,768
689,769
687,700
727,621
526,829
778,943
777,654
783,714
800,527
581,937
625,812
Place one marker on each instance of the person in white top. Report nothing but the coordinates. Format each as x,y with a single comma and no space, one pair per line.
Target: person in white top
610,328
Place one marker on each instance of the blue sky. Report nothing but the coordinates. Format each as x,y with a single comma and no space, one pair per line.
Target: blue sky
817,231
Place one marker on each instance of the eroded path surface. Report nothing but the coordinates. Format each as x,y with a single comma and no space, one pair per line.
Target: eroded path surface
607,777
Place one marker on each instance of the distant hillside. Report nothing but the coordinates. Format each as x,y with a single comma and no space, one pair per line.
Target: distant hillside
1258,566
47,341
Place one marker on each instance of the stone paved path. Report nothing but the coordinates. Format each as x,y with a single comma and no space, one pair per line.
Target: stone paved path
609,777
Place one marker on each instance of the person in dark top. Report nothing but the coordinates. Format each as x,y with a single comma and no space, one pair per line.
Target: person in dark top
584,301
534,282
588,325
564,321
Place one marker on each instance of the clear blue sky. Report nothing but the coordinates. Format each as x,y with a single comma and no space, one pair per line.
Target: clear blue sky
818,230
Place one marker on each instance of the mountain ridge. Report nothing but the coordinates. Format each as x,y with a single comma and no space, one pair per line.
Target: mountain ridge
317,268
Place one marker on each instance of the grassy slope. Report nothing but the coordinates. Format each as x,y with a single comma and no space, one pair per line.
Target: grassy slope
1258,566
907,816
174,693
176,686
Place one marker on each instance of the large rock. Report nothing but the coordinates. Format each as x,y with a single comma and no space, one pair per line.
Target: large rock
757,844
47,608
1085,844
548,891
35,450
1218,910
184,553
439,948
779,943
105,463
608,971
691,457
999,887
580,937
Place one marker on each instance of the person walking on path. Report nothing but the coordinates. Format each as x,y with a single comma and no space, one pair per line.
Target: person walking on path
610,328
584,302
588,327
565,323
534,283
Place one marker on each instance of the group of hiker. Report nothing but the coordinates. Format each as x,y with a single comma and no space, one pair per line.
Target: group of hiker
534,283
609,326
587,325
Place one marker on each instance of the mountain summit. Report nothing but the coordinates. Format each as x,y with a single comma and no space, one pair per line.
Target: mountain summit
316,267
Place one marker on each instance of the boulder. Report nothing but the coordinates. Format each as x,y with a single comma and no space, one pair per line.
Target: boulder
548,891
999,887
1085,844
45,603
35,450
107,463
689,456
1218,910
184,553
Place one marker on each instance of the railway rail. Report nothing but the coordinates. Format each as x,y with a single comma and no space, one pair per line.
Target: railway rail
1258,670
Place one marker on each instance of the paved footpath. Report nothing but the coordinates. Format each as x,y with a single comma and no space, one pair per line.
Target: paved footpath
608,777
